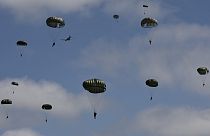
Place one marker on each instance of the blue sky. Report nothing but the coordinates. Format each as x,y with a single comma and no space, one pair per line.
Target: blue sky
117,52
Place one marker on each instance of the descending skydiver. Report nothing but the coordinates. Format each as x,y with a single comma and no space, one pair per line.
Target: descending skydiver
150,42
150,98
94,114
53,44
67,39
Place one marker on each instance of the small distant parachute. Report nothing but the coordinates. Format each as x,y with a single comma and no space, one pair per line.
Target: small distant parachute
116,16
203,71
21,44
96,87
14,83
151,83
149,22
46,107
5,102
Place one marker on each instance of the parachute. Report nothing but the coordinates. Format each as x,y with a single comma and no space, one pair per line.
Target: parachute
203,71
116,17
95,87
5,102
55,23
21,44
149,22
151,83
46,107
14,83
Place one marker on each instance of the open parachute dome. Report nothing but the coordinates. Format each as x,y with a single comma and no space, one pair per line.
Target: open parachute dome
116,16
55,22
152,83
94,86
149,23
14,83
46,107
21,43
203,70
6,101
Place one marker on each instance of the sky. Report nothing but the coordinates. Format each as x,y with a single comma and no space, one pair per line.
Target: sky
116,51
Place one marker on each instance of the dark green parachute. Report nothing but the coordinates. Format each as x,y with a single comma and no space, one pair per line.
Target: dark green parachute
94,86
6,101
21,43
116,16
46,107
14,83
55,22
152,83
203,70
149,22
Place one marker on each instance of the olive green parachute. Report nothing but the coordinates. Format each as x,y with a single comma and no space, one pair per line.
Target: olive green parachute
6,101
145,6
21,43
152,83
149,23
203,70
116,16
55,22
94,86
46,107
14,83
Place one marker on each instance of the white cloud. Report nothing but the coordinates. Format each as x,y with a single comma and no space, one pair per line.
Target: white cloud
21,132
36,8
161,121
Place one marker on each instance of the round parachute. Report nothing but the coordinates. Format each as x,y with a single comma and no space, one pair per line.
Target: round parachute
116,16
55,22
149,23
14,83
203,70
94,86
21,43
6,101
46,107
152,83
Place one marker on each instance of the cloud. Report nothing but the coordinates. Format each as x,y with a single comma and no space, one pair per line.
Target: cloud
175,54
162,121
21,132
29,96
36,8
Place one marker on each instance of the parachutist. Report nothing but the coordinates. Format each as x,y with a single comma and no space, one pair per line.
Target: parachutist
203,84
150,98
150,42
53,44
46,120
21,55
68,38
94,114
7,117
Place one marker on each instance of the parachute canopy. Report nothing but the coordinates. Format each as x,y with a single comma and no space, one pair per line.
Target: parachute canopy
152,83
21,43
14,83
94,86
55,22
149,23
145,6
46,107
203,70
6,101
116,16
